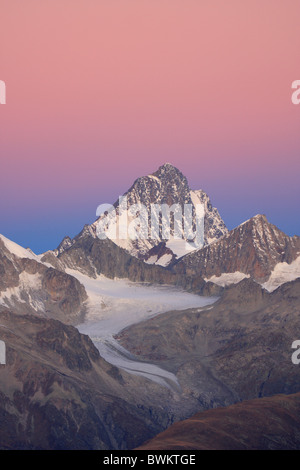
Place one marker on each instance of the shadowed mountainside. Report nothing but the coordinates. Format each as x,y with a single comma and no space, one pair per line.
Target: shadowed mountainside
58,393
237,349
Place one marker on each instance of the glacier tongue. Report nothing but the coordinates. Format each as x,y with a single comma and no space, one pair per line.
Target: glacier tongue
116,304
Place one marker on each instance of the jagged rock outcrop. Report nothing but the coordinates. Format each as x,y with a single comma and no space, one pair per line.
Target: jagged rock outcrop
253,248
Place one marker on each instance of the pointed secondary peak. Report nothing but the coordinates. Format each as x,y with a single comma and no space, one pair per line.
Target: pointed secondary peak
64,244
260,226
259,219
255,220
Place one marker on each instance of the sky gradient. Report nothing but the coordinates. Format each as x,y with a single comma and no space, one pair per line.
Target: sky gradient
100,92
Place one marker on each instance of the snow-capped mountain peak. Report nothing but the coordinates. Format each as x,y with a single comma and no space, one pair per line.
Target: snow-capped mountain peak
166,187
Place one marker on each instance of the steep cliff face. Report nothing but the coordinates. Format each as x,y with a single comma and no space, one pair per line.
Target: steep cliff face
9,276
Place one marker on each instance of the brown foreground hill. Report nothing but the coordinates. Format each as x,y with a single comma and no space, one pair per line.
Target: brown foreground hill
271,423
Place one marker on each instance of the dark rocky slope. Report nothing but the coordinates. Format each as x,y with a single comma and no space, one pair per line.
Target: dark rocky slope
93,257
58,393
238,349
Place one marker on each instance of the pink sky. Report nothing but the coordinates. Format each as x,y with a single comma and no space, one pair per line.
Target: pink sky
100,92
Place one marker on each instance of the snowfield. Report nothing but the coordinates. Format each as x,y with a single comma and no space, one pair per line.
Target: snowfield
18,250
116,304
283,272
225,279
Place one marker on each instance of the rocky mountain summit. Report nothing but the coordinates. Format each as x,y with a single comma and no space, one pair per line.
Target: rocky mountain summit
254,248
165,187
